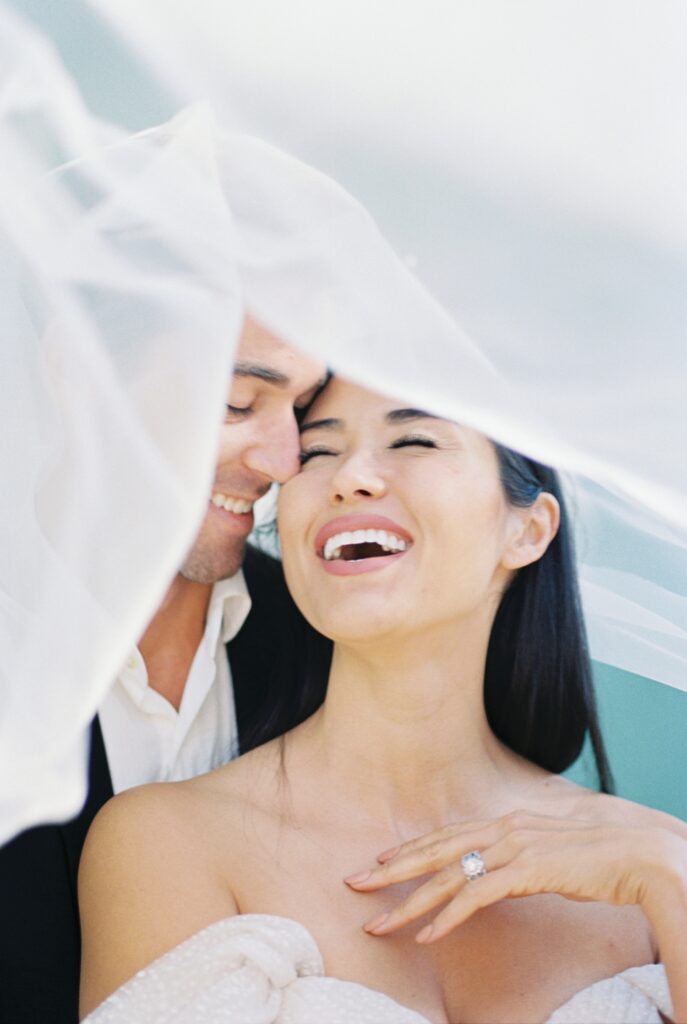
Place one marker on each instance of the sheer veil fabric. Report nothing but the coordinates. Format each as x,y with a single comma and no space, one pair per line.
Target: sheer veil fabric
535,289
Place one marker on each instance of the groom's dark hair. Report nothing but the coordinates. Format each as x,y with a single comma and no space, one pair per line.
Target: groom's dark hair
538,690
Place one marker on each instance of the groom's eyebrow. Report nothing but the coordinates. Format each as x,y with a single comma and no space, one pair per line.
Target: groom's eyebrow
265,373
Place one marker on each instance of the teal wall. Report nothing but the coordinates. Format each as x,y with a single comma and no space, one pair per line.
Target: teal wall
645,727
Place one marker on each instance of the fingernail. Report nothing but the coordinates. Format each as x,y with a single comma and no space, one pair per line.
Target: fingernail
376,923
388,854
425,935
362,876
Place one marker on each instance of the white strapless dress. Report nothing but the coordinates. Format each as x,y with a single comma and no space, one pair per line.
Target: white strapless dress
259,969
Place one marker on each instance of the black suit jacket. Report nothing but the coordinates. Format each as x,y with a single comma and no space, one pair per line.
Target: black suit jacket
39,918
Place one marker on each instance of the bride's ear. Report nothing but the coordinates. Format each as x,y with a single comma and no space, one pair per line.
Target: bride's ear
536,526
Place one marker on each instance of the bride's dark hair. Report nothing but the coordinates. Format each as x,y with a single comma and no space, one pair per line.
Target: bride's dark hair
538,690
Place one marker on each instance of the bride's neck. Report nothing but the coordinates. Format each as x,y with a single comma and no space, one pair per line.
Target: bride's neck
404,731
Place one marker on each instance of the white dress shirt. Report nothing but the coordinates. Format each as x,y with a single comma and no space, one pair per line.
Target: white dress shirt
146,738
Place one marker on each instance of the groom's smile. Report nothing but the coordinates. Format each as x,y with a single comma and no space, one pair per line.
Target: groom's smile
259,445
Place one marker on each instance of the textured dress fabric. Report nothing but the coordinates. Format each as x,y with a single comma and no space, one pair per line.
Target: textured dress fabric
260,969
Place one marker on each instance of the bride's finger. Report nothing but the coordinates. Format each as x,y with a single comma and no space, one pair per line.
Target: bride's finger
442,887
440,849
451,878
429,853
496,885
432,856
411,845
507,822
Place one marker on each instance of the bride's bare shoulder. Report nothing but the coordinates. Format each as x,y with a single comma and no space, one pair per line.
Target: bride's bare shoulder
186,819
157,868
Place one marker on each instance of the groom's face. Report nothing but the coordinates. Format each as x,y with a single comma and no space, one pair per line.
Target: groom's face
259,444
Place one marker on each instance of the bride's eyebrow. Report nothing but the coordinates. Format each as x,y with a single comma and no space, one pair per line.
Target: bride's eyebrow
328,424
395,416
405,415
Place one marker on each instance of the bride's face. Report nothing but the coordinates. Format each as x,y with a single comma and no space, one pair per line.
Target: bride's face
397,520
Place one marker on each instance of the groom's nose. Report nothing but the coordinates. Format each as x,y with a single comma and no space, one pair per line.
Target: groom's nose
275,449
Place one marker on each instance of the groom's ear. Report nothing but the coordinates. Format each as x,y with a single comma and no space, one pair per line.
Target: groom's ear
535,528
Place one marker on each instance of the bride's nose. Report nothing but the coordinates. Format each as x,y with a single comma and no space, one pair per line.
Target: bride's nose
356,478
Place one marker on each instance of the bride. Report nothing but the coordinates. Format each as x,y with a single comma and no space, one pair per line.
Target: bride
289,885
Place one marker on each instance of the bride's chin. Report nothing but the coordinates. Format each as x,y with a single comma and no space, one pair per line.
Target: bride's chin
361,629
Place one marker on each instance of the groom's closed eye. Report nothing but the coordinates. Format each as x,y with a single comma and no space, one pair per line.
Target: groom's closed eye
238,411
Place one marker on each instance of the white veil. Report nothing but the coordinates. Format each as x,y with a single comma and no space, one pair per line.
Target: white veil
548,224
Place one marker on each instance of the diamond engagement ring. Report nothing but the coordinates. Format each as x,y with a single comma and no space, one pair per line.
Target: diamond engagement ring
473,865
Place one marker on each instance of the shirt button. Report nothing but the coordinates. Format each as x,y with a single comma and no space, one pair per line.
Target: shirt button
131,662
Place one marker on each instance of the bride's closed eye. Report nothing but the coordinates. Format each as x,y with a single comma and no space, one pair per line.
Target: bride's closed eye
420,440
310,453
401,442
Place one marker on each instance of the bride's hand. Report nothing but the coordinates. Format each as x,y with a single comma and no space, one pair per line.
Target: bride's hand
525,854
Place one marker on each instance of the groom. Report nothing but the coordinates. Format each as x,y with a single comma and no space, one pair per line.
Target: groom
185,696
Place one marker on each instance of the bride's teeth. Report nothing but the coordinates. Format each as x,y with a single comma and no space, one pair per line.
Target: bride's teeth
389,542
332,548
329,548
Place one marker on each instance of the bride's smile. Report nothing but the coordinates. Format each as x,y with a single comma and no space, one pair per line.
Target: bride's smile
351,544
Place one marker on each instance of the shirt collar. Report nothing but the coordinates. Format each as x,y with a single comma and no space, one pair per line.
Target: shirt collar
233,601
229,606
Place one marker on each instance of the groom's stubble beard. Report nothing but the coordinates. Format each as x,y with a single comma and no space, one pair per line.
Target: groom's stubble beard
209,561
218,550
